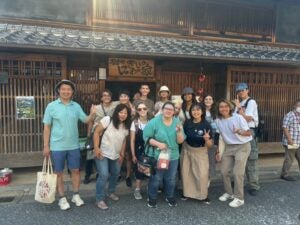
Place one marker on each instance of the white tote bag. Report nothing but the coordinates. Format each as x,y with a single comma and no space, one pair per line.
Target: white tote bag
46,183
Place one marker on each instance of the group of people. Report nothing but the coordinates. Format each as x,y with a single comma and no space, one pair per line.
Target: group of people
195,135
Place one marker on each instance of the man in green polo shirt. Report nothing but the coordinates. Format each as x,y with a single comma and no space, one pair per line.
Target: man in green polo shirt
61,139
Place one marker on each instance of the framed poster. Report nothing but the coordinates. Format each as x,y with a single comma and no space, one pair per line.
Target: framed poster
25,107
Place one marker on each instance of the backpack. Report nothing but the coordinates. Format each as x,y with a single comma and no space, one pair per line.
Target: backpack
258,130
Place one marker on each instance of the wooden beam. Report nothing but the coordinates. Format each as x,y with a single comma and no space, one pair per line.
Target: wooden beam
21,160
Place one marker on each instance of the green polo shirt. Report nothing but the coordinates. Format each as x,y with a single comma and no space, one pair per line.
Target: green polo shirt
157,130
63,119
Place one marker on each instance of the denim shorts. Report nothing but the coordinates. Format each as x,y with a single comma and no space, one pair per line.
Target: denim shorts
59,158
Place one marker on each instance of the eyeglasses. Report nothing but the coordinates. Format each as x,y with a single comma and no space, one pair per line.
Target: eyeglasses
106,95
169,109
140,109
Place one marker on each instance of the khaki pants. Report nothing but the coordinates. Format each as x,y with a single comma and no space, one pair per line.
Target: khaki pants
194,171
290,155
233,164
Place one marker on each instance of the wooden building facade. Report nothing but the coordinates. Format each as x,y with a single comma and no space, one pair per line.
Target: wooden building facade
119,44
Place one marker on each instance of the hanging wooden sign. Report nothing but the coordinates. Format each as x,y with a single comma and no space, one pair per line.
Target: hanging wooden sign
131,67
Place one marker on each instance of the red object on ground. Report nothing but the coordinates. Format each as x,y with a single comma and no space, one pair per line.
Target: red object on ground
5,177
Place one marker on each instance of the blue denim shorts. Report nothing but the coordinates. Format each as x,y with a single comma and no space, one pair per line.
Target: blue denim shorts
59,158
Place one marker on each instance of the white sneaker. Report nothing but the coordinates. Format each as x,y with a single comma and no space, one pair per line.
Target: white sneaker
63,204
225,197
77,200
137,194
236,203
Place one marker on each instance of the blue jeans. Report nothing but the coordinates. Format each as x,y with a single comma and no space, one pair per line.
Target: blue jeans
108,170
168,177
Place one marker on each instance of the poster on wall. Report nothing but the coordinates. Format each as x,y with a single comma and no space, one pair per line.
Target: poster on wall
25,106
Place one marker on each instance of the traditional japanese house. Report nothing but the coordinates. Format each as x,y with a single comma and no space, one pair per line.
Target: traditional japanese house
209,45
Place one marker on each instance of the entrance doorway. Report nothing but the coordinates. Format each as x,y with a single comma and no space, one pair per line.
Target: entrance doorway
133,87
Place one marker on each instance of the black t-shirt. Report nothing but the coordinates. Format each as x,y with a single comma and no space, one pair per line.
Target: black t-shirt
195,131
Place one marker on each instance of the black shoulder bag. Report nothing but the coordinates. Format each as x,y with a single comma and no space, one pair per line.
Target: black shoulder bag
147,163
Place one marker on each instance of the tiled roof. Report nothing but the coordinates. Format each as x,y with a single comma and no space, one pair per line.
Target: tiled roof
72,39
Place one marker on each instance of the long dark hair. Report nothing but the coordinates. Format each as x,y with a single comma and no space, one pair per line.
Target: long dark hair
200,106
184,105
213,109
115,116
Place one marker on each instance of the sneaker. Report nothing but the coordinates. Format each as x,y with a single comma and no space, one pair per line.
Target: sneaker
151,203
236,203
171,201
102,205
183,198
225,197
287,178
205,201
63,203
128,182
253,192
77,200
86,180
137,194
113,197
160,190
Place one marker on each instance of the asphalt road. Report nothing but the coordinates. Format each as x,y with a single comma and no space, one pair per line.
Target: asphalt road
277,203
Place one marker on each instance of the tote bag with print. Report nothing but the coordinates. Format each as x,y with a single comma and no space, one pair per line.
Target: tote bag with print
46,183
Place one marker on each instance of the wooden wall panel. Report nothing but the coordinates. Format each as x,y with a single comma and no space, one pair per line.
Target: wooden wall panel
176,81
28,75
88,90
274,89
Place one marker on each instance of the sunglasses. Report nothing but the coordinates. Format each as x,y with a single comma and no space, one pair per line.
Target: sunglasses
140,109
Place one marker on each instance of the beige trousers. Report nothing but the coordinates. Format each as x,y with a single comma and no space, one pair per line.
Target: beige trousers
194,171
233,163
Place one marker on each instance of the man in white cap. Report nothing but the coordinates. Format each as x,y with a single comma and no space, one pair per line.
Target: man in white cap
164,96
247,108
61,139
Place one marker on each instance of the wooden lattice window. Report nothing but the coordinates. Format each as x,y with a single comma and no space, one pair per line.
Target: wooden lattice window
28,75
274,89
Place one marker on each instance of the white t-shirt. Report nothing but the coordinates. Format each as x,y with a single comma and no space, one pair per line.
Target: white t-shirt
140,125
251,110
112,139
227,127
